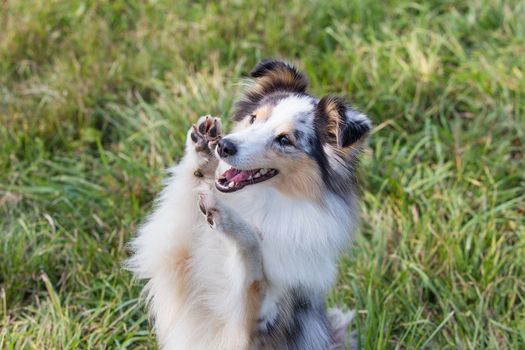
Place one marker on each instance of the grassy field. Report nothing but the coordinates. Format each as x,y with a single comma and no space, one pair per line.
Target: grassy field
95,99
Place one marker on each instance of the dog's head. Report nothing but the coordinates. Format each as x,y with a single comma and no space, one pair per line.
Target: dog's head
288,139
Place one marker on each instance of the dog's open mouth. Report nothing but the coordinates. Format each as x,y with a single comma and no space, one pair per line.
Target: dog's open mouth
234,179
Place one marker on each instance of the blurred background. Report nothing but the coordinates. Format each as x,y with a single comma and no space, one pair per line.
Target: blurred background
95,100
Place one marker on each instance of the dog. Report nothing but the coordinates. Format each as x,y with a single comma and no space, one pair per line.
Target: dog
243,244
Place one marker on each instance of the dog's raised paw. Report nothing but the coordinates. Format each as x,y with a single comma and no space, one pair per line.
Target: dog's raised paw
206,133
208,208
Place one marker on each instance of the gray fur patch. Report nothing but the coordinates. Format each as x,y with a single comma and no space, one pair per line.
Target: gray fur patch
302,324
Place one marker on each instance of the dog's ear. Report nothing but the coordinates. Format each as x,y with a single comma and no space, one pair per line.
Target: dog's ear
338,124
269,76
274,75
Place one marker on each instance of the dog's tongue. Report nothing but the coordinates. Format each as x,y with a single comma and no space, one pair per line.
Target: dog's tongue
237,175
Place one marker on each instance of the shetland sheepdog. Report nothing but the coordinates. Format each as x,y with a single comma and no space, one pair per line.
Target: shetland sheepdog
243,244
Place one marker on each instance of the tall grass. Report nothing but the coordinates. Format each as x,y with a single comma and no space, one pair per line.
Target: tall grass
95,99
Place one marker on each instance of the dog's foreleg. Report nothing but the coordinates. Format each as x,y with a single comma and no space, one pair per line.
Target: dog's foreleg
169,228
225,220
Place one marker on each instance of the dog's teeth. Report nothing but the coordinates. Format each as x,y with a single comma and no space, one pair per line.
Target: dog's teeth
256,175
250,177
231,184
263,171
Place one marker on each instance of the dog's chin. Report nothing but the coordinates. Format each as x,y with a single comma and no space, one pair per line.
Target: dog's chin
235,179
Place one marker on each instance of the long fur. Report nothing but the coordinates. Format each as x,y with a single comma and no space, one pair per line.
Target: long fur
253,269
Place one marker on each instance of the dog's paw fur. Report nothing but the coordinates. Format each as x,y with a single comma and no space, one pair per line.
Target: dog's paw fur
205,134
209,208
202,140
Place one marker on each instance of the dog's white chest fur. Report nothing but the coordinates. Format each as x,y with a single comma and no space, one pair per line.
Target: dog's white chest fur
301,241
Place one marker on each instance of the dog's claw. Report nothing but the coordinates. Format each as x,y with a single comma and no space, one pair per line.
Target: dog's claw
202,207
207,208
209,218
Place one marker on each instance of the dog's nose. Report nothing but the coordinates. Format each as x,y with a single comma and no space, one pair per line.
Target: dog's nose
226,148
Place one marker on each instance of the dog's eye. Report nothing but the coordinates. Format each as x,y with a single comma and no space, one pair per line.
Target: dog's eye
252,118
283,140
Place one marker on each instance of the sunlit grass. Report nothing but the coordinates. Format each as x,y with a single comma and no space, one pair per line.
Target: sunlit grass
95,100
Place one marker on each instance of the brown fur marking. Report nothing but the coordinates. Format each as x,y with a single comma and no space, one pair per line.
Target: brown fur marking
253,304
263,113
272,76
300,178
329,119
181,259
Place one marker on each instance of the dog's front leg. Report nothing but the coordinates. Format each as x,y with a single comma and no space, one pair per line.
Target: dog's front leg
173,221
226,221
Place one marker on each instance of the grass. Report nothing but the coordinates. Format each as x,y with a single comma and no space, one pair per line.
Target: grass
95,99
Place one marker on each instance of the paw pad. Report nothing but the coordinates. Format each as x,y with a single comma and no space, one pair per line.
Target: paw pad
206,133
